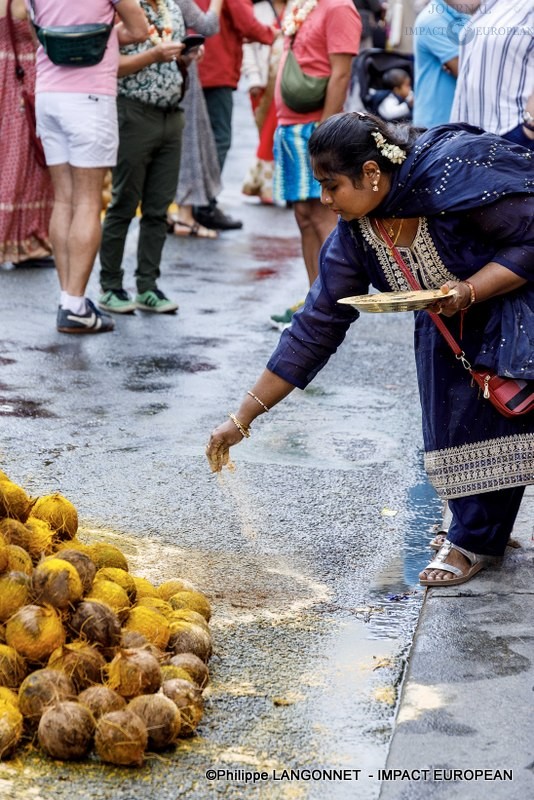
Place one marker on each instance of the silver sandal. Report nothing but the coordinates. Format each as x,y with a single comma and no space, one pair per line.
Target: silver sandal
477,562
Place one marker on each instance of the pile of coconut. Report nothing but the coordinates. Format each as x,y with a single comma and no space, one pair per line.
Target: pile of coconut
91,655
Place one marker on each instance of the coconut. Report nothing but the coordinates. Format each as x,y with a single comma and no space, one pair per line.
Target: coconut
121,577
131,639
194,666
161,717
107,555
3,553
18,559
66,730
15,590
101,700
82,563
72,544
168,672
167,589
145,588
121,738
12,667
151,624
188,638
190,616
112,595
96,623
59,513
8,696
40,540
43,689
82,663
10,728
193,600
35,632
188,698
134,672
57,582
4,477
14,532
157,604
14,502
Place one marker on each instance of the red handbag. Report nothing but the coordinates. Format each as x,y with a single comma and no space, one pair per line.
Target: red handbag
510,396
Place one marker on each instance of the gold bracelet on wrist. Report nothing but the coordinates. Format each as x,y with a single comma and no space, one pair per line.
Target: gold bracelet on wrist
244,430
257,399
472,294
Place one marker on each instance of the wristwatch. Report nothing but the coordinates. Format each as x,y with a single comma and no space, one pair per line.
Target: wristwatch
528,121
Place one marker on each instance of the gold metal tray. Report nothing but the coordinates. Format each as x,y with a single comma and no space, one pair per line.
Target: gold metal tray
413,300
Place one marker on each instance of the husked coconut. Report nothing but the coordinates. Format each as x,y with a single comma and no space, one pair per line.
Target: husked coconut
14,532
189,638
188,698
169,671
151,624
192,664
121,738
82,563
66,730
41,539
42,689
18,559
35,632
107,555
134,672
112,595
14,502
121,577
15,591
101,700
9,696
144,588
57,583
4,560
157,604
168,588
196,601
11,724
97,624
59,512
83,664
131,639
161,717
189,615
13,668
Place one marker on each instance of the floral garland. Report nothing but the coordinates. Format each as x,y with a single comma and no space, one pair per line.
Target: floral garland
294,18
154,35
393,152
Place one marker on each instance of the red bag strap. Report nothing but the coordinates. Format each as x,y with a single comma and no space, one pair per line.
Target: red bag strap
412,281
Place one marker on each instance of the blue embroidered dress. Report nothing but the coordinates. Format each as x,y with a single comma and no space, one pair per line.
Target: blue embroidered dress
474,196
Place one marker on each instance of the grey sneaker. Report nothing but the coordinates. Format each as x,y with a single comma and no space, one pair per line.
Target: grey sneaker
93,321
154,300
118,301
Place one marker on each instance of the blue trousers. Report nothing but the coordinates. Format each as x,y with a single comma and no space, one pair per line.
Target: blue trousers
482,523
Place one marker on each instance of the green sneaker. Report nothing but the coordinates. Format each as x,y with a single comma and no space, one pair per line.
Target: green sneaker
283,321
154,300
118,301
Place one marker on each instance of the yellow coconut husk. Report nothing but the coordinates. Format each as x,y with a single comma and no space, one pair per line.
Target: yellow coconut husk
121,577
72,544
41,690
11,726
161,717
83,664
157,604
96,623
15,532
41,539
13,668
167,589
57,582
59,512
4,477
8,696
66,730
82,563
14,502
107,555
4,558
121,738
145,588
168,672
188,699
18,560
112,595
35,632
2,633
194,666
15,592
187,615
101,700
151,623
133,672
196,601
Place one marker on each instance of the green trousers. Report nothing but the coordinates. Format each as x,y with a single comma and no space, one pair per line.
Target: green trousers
147,173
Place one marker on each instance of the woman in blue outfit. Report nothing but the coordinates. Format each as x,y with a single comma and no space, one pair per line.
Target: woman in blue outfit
458,203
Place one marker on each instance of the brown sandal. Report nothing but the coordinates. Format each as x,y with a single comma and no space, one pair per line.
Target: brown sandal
195,230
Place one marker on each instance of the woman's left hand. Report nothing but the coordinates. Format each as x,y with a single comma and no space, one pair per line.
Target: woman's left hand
451,305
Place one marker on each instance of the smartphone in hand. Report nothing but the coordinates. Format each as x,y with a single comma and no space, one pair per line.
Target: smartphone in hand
192,41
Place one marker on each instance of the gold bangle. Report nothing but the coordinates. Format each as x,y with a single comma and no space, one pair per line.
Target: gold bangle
243,429
472,292
257,399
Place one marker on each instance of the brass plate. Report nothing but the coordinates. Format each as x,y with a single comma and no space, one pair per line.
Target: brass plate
396,301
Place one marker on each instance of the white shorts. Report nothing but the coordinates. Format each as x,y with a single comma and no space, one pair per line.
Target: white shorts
78,129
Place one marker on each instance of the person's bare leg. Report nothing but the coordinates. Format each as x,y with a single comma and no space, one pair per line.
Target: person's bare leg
315,224
85,229
61,219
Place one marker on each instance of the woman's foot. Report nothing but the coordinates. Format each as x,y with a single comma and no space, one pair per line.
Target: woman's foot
180,227
453,566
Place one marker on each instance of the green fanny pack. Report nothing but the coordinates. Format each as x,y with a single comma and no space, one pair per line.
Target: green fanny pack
74,45
300,92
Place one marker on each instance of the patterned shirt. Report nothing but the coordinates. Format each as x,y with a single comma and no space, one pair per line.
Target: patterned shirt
158,84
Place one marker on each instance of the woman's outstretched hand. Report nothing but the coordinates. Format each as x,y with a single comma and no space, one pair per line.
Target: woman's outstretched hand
218,448
452,303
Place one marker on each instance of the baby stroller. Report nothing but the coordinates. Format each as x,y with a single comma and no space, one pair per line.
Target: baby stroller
369,66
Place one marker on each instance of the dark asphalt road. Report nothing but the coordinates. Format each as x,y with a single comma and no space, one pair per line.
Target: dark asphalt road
293,548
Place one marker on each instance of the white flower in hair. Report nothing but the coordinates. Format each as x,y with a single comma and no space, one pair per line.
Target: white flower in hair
393,152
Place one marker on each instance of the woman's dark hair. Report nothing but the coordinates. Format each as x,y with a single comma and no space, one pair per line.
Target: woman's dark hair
343,143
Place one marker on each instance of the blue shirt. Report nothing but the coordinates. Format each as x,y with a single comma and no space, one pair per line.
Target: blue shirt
436,41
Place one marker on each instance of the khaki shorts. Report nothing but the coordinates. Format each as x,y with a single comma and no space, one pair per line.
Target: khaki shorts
78,129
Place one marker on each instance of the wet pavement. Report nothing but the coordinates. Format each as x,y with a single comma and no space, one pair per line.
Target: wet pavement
309,551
